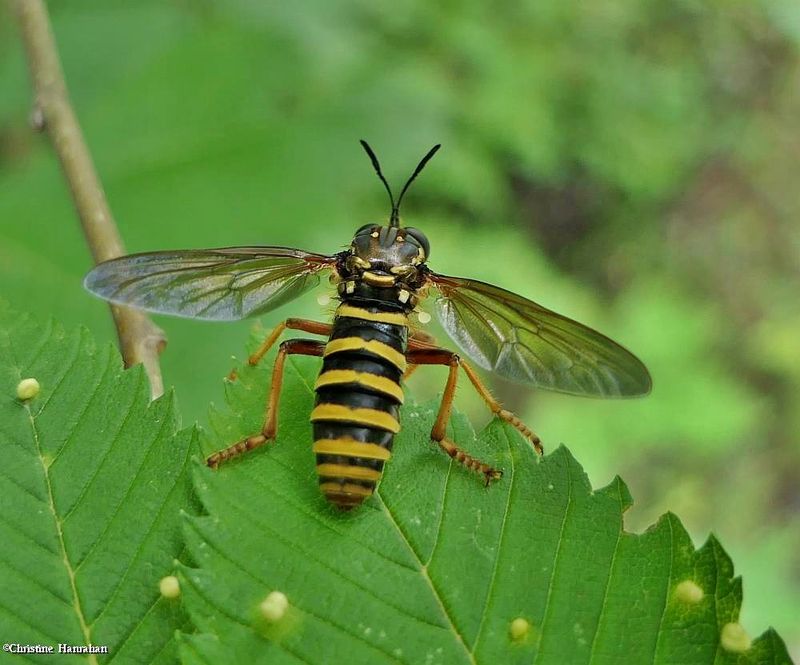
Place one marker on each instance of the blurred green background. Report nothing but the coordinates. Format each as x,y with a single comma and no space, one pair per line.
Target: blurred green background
632,165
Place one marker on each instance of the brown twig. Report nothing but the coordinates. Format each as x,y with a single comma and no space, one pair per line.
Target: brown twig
140,340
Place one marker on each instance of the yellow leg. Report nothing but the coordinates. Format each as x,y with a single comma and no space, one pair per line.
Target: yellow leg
270,428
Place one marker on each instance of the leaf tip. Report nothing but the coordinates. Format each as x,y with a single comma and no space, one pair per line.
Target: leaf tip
618,489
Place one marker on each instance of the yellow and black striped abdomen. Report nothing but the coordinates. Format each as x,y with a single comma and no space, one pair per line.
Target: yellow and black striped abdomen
358,401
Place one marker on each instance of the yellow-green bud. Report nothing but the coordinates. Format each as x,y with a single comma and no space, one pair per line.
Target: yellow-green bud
169,587
273,607
28,389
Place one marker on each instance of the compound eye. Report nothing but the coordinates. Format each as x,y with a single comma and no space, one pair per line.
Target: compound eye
420,238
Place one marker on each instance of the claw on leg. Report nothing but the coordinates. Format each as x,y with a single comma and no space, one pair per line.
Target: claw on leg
468,461
236,449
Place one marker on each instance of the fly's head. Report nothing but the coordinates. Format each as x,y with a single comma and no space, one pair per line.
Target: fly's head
388,256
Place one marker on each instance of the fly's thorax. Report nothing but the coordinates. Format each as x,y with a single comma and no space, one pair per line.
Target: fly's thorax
359,290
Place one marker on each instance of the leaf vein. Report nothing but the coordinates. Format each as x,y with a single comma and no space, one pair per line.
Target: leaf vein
146,534
220,608
16,483
76,348
611,565
302,506
101,459
81,415
441,505
19,530
666,591
76,602
556,556
48,639
27,577
266,583
124,498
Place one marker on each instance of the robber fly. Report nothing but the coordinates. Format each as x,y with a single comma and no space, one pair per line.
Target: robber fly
380,279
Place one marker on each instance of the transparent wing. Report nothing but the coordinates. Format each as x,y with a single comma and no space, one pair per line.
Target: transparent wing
524,342
216,284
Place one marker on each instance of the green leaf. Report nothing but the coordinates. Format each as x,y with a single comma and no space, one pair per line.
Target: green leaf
435,567
92,481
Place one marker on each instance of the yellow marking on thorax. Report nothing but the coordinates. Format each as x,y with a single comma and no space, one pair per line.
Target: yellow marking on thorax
374,279
347,488
350,448
358,416
372,346
347,471
394,318
380,384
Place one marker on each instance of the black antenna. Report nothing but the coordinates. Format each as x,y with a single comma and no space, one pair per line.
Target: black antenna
394,220
377,166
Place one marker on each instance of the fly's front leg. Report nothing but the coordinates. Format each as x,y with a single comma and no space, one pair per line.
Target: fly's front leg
304,325
428,356
421,339
305,347
418,339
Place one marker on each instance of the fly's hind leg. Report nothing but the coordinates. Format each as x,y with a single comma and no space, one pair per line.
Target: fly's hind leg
498,410
422,347
305,347
430,356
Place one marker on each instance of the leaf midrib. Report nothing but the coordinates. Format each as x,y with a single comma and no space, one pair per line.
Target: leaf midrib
76,602
50,500
423,571
611,570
